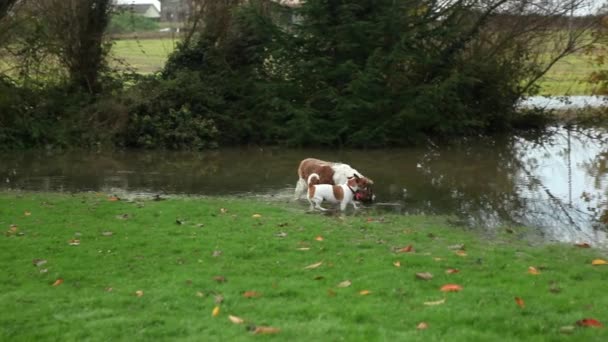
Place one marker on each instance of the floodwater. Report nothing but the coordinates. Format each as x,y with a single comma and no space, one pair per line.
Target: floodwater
554,182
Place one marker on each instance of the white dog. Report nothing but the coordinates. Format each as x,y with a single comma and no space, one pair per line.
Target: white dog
343,193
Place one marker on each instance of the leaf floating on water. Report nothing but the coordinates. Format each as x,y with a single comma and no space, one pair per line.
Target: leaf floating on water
532,270
437,302
451,288
365,292
236,320
520,302
424,276
452,271
598,262
58,282
589,322
251,294
345,283
264,330
313,266
582,245
216,311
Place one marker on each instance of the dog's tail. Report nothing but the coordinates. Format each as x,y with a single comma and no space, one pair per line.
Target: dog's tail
313,179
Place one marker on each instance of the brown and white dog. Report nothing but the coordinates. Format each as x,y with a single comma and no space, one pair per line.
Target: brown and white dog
332,173
343,193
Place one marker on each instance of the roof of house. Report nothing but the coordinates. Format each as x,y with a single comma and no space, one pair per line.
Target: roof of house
138,8
134,3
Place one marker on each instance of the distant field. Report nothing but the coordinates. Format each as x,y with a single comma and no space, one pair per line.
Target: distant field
567,77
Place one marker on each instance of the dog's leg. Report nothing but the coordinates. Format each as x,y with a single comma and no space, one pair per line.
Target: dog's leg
354,205
300,187
318,204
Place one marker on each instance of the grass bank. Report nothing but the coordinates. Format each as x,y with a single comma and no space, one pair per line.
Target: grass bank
88,266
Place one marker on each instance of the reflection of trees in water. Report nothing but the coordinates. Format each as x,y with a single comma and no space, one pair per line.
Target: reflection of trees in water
507,180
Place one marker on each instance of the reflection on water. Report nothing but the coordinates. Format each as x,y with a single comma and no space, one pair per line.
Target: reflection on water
555,181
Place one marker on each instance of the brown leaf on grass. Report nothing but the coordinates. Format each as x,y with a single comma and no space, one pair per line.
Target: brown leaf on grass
459,246
217,254
260,330
582,245
437,302
27,213
216,311
451,288
597,262
319,238
220,279
113,199
424,276
108,289
13,229
107,233
123,216
58,282
139,293
589,322
38,262
461,253
318,277
345,283
218,299
422,326
397,263
406,249
532,270
520,302
256,216
223,210
452,271
331,293
74,242
236,320
313,266
251,294
281,234
365,292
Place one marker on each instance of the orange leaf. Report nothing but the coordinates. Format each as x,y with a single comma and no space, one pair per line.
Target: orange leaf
236,320
319,238
310,267
251,294
365,292
532,270
589,322
265,330
58,282
405,249
461,253
520,302
582,245
451,288
139,293
597,262
216,311
397,263
113,199
422,326
452,271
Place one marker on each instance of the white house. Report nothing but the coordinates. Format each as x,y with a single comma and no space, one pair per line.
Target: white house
146,8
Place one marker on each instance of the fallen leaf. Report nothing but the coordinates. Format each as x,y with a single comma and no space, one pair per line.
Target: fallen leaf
217,253
236,320
589,322
58,282
218,299
38,262
532,270
200,294
179,221
256,215
457,247
310,267
331,293
303,248
251,294
281,234
223,210
216,311
365,292
27,213
520,302
437,302
582,245
113,199
139,293
406,249
461,253
452,271
345,283
319,238
108,289
318,277
568,329
264,330
451,288
74,242
597,262
422,326
123,216
107,233
397,263
437,259
220,279
424,276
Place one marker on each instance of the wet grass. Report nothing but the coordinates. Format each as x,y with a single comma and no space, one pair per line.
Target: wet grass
191,256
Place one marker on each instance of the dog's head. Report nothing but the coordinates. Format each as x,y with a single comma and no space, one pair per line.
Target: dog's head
365,192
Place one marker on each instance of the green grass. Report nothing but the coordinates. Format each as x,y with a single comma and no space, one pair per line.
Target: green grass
174,264
144,55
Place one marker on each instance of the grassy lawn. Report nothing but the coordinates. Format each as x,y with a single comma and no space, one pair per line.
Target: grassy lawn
145,55
87,267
